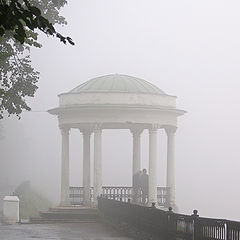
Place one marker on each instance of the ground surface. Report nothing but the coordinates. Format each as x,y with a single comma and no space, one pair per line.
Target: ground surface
68,231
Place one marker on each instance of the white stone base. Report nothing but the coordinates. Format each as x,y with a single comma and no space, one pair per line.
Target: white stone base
11,209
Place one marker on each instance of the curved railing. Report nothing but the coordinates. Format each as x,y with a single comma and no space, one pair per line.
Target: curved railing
153,223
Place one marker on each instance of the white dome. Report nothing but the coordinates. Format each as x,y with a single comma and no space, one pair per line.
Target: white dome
117,83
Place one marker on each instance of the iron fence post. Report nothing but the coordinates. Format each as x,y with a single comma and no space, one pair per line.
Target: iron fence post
153,205
196,230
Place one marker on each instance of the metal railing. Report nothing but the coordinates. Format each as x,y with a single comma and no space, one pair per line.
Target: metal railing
158,224
123,193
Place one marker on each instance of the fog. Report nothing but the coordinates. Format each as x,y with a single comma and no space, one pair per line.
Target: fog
187,48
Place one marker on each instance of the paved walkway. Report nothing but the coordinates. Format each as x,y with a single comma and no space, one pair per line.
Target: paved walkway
67,231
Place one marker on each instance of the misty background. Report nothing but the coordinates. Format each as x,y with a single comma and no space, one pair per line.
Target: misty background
187,48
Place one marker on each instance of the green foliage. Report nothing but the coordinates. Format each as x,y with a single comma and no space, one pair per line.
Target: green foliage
18,16
31,202
18,22
18,78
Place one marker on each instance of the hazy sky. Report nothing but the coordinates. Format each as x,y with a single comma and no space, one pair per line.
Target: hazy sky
190,49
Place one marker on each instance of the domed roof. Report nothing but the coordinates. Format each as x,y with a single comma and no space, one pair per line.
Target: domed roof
117,83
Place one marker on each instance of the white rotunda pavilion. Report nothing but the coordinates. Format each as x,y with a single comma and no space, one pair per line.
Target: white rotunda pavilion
117,102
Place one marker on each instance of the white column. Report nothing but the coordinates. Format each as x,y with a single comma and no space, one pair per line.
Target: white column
86,167
152,183
171,163
136,164
65,201
97,189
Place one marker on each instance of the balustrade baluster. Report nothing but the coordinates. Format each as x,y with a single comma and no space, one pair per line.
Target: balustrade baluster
77,194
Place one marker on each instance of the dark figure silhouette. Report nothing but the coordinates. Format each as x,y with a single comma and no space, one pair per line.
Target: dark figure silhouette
136,186
144,186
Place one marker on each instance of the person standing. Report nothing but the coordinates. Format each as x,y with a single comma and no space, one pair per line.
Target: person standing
136,186
144,186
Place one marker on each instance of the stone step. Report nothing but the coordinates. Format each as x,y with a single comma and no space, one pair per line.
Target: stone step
59,215
68,213
73,210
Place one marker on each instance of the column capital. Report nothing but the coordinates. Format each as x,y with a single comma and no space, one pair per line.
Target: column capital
170,130
64,129
86,131
136,130
97,127
153,128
